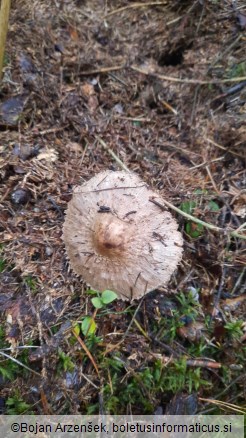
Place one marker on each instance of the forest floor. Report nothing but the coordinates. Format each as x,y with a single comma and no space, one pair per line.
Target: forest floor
162,85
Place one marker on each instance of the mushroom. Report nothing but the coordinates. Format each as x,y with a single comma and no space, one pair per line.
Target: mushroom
117,239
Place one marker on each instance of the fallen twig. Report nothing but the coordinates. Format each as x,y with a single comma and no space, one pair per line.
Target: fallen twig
4,21
100,70
203,363
223,148
166,347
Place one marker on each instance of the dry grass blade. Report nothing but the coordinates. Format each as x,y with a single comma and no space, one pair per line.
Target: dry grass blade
19,363
169,107
241,227
121,164
224,148
134,6
86,351
198,221
222,404
187,81
140,328
45,404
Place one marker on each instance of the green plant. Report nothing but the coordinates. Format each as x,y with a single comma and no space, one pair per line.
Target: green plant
195,229
65,362
213,206
237,70
180,377
235,329
89,326
8,368
31,282
191,228
93,341
128,385
187,310
2,260
15,405
107,297
2,265
2,337
140,388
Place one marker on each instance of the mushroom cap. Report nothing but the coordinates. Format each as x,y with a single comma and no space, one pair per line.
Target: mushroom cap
117,239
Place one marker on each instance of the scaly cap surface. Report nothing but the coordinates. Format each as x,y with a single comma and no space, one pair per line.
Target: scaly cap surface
117,239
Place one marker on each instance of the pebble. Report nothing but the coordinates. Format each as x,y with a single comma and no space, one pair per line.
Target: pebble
48,251
20,196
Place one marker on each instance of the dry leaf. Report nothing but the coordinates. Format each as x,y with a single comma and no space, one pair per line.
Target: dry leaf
92,103
193,331
74,147
87,90
73,33
11,109
231,304
242,20
239,206
49,155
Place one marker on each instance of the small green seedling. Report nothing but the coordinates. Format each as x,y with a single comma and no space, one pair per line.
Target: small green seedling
194,229
213,206
107,297
89,326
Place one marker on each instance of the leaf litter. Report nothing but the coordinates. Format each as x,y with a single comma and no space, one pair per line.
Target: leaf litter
88,86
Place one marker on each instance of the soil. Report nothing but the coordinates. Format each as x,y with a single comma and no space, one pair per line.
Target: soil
162,85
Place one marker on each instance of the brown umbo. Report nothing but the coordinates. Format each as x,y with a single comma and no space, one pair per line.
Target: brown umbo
117,239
